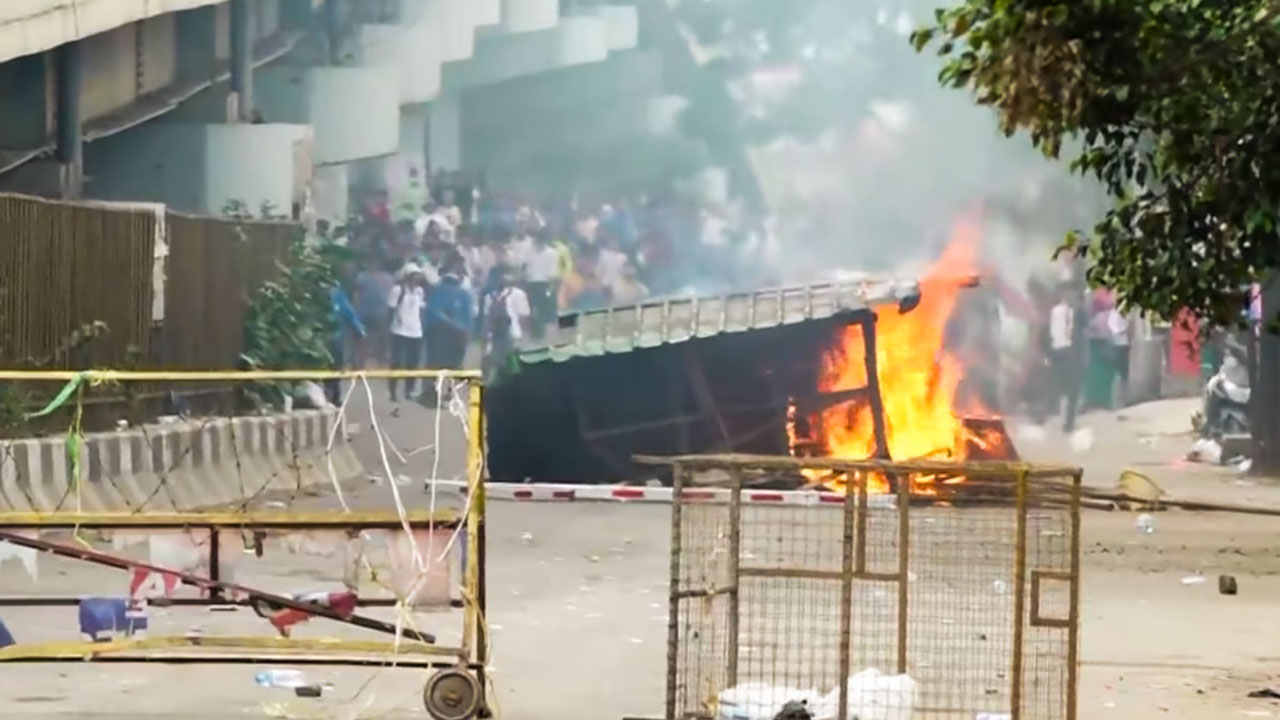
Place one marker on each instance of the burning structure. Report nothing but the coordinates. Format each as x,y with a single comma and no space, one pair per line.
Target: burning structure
870,368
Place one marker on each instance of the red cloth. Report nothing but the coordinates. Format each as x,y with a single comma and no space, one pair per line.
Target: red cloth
1184,345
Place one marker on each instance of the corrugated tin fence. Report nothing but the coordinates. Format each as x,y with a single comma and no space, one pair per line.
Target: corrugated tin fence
156,289
64,266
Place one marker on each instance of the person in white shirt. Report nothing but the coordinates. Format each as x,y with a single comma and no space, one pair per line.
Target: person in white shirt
542,283
1118,325
505,312
406,300
1064,357
518,251
611,264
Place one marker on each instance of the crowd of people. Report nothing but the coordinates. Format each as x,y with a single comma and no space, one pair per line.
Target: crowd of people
445,270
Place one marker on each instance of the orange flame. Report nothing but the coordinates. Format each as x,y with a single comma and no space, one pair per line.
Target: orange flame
918,376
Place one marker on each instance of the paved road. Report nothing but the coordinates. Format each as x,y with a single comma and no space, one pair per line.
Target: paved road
578,615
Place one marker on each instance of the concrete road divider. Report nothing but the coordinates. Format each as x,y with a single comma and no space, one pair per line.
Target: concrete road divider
192,464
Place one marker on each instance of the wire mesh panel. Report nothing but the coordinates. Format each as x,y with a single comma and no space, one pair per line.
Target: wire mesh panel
952,599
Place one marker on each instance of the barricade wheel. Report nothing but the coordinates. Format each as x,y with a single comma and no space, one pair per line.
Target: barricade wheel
452,694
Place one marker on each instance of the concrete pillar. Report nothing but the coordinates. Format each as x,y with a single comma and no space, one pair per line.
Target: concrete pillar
444,133
69,62
333,30
242,58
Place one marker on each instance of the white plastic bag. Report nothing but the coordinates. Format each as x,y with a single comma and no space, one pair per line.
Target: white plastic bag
760,701
872,696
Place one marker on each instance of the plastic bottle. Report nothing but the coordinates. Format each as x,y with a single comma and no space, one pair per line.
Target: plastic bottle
1146,524
280,678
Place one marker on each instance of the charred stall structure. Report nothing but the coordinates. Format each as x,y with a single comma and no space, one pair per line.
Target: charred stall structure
706,374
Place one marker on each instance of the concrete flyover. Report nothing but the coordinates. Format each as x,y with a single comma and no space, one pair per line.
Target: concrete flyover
32,26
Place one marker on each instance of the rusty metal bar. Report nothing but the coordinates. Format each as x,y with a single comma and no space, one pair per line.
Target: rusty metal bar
93,556
735,604
1073,632
705,593
790,573
860,563
473,620
264,521
903,485
850,507
873,385
673,602
1019,597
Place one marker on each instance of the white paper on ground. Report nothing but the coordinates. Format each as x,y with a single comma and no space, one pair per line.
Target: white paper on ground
24,555
761,701
873,696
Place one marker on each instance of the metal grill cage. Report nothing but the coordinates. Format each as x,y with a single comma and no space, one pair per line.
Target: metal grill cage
956,600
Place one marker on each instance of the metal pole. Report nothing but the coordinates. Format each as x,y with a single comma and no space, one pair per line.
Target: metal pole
851,499
471,626
735,558
1073,632
69,61
673,602
242,59
1019,597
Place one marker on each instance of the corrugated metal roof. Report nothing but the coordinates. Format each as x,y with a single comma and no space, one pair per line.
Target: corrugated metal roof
675,320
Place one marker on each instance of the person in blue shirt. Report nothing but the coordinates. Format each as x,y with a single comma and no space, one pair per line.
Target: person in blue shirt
345,318
448,320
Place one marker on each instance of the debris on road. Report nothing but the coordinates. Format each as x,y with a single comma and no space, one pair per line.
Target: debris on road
1146,524
1193,580
1269,693
1227,585
280,678
1082,439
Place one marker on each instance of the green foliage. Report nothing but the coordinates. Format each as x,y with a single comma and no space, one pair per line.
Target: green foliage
1173,105
289,322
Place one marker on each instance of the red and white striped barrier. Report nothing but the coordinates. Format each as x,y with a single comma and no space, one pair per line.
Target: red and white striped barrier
538,492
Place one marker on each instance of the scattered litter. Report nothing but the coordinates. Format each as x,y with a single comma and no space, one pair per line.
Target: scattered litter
1149,441
1227,585
494,626
871,695
1108,704
308,691
1270,693
1146,524
1193,580
1141,488
1206,450
656,606
122,424
636,641
526,538
759,701
1082,439
280,678
593,558
1243,466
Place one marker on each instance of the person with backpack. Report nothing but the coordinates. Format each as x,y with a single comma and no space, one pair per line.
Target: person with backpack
506,311
408,297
